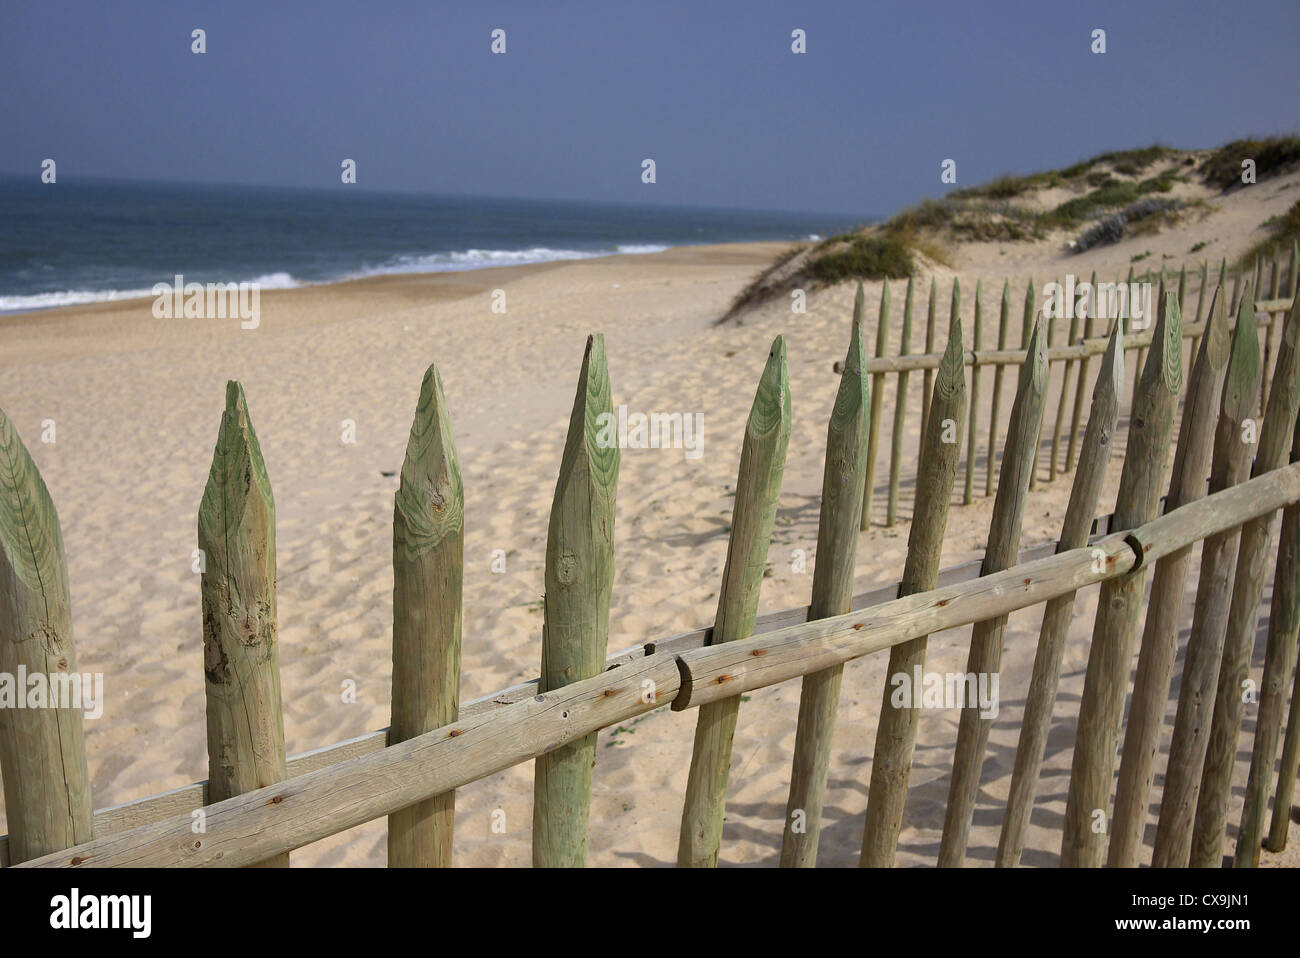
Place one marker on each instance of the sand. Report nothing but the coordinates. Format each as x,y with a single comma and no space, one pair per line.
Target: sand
137,402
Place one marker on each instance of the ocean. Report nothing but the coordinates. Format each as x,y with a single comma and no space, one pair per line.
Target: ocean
84,242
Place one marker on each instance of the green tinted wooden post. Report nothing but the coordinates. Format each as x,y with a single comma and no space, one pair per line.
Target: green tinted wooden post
1004,317
928,379
758,488
428,572
1003,548
1165,606
832,594
900,408
1270,335
877,395
575,628
896,733
1146,461
42,751
241,655
1290,766
1229,466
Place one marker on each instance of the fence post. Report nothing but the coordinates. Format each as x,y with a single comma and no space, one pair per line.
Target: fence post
1281,823
1085,365
1269,336
1146,459
575,626
896,733
1230,465
927,381
972,436
428,571
1200,306
1094,456
900,408
1003,547
1247,588
1279,663
877,395
1004,317
832,594
1064,401
1164,606
241,657
42,752
758,487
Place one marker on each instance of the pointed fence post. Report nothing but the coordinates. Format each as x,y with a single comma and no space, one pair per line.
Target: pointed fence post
1247,589
1269,335
575,628
1004,317
900,408
985,658
1165,606
758,488
428,572
1146,461
896,733
1094,457
927,383
1279,664
877,395
1085,365
241,657
1200,304
1229,466
832,594
42,751
972,436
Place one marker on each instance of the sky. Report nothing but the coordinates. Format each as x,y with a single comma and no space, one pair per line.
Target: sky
712,92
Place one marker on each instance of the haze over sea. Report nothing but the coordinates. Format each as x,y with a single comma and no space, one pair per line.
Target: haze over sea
84,242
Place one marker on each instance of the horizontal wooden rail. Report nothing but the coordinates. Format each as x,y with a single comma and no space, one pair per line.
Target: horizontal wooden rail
1080,349
184,800
308,807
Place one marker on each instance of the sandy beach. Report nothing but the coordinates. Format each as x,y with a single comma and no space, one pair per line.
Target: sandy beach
137,402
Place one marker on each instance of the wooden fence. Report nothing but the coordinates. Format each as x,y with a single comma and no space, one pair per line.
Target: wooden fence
1073,370
258,806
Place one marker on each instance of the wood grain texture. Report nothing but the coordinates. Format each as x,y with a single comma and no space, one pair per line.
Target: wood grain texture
1247,589
579,578
1229,466
1164,618
1146,461
758,488
900,409
972,432
42,750
241,667
428,573
832,594
896,732
1085,367
1098,438
985,658
928,382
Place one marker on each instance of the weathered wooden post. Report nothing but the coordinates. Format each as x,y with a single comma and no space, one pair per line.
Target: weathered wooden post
1290,765
1164,606
832,594
428,571
1054,466
575,627
1004,317
900,408
1003,548
1230,465
1247,588
1279,663
241,657
1085,365
1200,306
758,487
896,733
42,750
1036,723
1269,336
877,395
972,434
1101,709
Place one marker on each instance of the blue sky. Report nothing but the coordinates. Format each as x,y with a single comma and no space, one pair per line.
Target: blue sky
711,91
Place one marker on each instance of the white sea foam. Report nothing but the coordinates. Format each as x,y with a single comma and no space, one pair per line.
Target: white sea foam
81,297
